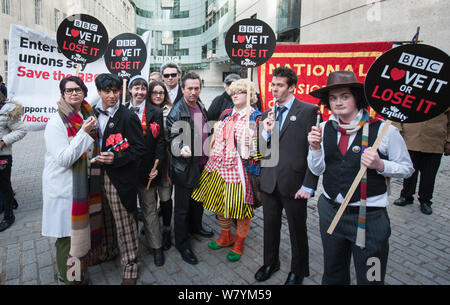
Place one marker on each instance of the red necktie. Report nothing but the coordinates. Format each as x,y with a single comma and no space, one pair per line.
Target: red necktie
343,142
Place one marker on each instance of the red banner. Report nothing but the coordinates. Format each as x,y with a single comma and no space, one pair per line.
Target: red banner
313,64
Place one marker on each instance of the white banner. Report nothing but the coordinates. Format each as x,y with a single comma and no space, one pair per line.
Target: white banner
36,67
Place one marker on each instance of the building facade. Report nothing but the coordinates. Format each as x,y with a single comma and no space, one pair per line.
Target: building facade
46,15
190,33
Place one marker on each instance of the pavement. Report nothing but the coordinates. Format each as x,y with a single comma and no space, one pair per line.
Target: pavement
419,244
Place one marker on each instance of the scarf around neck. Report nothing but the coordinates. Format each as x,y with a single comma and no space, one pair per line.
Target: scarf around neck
85,241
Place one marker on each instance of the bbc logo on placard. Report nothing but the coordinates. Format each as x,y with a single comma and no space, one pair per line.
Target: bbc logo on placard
250,29
126,43
86,25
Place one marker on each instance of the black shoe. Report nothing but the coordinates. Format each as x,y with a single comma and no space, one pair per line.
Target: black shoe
159,257
402,201
6,223
426,209
293,279
15,204
266,271
189,257
166,240
204,233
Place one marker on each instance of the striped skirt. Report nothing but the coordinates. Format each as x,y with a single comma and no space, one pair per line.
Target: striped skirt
221,197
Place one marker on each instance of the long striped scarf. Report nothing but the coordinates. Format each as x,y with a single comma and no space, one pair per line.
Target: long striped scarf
86,235
349,129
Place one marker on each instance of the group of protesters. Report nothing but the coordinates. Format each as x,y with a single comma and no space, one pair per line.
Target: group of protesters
106,162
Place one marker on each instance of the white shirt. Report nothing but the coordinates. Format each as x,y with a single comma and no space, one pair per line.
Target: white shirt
398,165
103,119
141,106
57,182
173,93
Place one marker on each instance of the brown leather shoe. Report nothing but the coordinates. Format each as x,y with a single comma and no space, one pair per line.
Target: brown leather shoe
128,282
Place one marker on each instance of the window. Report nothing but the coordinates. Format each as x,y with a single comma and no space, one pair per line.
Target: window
37,11
5,46
6,72
6,7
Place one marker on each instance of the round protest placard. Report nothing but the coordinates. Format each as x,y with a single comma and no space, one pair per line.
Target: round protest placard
409,84
126,55
250,42
82,38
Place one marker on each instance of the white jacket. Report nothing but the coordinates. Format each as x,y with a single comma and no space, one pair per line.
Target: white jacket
57,182
12,129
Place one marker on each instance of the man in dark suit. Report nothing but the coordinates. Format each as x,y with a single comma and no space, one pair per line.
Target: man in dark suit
187,135
119,173
289,184
171,73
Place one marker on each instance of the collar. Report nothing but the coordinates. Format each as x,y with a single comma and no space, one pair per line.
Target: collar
111,110
289,104
355,121
241,112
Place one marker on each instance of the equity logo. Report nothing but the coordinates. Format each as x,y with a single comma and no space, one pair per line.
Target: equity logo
394,112
247,62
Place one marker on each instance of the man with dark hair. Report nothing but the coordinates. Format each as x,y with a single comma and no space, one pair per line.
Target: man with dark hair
171,73
289,184
119,173
186,124
3,89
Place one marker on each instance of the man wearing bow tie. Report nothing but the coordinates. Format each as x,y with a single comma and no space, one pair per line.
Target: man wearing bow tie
289,184
119,173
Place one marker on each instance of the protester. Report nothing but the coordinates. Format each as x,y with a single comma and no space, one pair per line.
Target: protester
70,183
12,129
225,186
119,173
158,96
289,184
223,101
3,89
338,148
171,73
187,119
155,76
426,142
151,119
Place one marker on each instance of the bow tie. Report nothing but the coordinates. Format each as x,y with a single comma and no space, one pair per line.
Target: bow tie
135,109
99,110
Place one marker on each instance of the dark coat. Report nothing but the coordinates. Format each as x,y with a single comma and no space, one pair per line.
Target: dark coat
123,172
155,147
218,105
184,171
292,170
179,95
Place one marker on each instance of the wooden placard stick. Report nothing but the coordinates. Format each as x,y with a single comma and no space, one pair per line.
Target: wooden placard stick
358,178
247,116
124,91
77,71
153,169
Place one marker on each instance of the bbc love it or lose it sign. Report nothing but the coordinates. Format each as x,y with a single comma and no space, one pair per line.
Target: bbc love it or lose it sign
250,42
409,84
126,55
82,38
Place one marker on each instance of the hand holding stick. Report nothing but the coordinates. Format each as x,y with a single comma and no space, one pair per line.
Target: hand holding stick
153,169
111,148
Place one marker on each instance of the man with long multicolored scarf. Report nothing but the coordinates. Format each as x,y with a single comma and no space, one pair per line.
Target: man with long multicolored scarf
70,184
338,148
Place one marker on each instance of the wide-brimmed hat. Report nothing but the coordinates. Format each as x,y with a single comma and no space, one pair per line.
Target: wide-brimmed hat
338,79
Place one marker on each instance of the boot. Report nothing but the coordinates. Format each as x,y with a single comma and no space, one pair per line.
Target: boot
225,240
238,248
6,223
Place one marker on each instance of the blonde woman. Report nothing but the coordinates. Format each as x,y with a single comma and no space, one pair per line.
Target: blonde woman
225,186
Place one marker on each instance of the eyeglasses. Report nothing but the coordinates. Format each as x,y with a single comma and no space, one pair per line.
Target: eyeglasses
69,91
173,75
160,93
236,93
